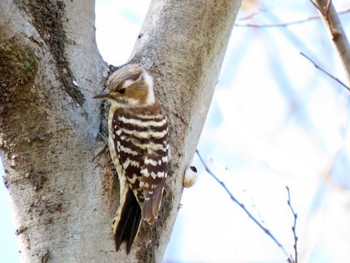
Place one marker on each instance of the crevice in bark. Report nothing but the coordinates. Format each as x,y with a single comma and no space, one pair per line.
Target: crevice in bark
48,19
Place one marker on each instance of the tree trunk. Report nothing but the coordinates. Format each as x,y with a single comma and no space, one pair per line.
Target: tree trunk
50,69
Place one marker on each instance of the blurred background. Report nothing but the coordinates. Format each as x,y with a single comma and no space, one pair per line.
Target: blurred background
275,121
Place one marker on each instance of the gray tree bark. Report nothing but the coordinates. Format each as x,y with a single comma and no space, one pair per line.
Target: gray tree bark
50,68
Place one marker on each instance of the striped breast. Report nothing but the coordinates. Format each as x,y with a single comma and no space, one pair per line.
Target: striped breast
140,137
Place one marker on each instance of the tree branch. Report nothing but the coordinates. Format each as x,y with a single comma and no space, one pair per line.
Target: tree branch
288,23
295,215
331,19
235,200
324,71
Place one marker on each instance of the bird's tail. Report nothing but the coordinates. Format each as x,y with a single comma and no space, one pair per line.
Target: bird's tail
127,222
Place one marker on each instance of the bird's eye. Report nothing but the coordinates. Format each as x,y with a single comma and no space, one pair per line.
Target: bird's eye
121,90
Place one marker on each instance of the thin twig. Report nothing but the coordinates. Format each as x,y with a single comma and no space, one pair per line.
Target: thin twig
324,71
250,16
295,215
267,231
290,23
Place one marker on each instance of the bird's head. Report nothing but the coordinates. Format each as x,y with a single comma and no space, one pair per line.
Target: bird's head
129,86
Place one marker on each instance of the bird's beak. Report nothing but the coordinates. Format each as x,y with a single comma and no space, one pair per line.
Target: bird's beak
101,96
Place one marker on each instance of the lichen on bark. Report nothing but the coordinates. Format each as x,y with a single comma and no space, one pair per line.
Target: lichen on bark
18,64
48,19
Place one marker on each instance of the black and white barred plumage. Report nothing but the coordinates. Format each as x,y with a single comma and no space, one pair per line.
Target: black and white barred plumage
138,143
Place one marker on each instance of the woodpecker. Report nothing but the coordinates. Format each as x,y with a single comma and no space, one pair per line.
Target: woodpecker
138,145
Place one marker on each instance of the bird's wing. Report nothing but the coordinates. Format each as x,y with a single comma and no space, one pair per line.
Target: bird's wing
154,173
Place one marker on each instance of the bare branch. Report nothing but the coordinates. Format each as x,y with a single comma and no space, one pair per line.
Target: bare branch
295,215
331,19
324,71
250,16
289,23
234,199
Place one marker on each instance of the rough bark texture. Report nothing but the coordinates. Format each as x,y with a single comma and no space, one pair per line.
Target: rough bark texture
50,69
48,125
183,44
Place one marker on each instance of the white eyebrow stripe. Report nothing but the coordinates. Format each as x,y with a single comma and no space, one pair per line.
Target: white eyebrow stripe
127,83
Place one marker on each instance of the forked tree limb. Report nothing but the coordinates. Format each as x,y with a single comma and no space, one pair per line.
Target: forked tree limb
50,69
335,28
